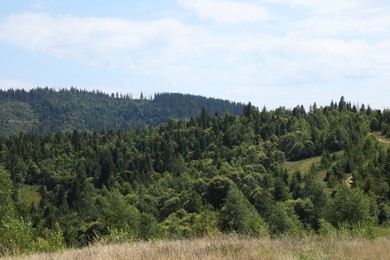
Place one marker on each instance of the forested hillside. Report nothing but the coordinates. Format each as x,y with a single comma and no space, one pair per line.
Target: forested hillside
207,175
46,110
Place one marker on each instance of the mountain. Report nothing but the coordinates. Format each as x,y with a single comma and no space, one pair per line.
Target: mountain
278,173
45,110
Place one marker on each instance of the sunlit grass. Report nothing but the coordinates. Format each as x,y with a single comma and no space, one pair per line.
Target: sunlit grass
234,247
382,139
29,194
303,165
381,232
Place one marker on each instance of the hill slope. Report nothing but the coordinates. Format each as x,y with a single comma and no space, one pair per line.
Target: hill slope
46,110
205,176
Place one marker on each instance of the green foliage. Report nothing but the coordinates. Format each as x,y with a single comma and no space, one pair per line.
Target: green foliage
6,205
349,207
384,214
50,240
182,224
283,221
263,201
149,228
119,215
188,178
47,110
17,117
16,235
238,215
217,190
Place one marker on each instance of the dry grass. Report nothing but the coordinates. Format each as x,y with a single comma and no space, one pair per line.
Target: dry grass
233,247
382,139
303,165
29,194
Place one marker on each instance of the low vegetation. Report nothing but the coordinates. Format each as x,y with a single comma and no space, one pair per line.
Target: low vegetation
232,247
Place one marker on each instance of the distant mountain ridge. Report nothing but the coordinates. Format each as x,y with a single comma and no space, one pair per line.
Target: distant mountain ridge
45,110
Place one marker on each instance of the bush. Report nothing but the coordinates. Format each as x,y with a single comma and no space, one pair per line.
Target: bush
50,240
16,236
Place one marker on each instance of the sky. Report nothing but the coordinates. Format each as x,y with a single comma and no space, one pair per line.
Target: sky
268,52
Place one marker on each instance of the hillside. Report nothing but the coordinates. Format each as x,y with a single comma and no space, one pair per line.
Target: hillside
46,110
263,174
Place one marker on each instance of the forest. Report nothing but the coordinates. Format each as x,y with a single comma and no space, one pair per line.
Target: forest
203,175
45,110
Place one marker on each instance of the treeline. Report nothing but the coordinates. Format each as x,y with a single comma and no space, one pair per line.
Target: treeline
190,178
45,110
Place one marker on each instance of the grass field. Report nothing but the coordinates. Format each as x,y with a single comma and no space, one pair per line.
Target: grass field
383,140
29,194
303,165
233,247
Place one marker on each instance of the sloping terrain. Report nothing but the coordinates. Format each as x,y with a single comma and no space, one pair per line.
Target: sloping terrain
46,110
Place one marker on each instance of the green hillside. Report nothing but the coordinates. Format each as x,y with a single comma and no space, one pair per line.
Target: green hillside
263,174
17,117
46,110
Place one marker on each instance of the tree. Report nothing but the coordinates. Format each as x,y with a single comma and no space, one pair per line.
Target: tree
121,216
217,190
283,220
6,205
349,206
238,215
312,211
263,201
281,192
16,235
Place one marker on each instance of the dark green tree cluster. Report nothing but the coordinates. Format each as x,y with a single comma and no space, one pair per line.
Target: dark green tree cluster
46,110
382,121
206,175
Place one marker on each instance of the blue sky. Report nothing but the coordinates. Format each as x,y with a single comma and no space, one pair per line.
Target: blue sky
272,53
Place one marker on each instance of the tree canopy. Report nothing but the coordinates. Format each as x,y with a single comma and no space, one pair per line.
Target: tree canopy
200,176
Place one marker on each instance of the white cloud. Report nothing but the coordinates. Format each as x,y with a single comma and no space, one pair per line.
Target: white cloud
291,54
227,11
345,25
15,84
334,18
111,42
169,48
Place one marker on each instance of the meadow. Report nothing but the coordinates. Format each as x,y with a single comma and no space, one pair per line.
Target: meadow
233,247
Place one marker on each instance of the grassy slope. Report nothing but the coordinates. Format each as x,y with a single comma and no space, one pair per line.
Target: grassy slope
29,194
303,165
382,139
233,247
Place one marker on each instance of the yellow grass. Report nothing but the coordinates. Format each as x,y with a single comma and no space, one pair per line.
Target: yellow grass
303,165
382,139
233,247
29,194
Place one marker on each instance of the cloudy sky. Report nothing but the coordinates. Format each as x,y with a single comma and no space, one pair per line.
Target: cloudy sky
268,52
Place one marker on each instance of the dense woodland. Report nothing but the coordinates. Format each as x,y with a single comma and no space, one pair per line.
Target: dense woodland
205,175
45,110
